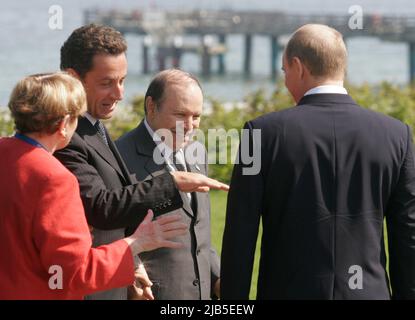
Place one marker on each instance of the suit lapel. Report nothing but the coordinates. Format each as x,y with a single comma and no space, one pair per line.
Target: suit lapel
120,161
145,146
92,138
186,204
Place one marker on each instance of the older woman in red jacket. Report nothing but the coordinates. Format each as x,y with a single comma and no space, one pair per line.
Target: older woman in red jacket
45,244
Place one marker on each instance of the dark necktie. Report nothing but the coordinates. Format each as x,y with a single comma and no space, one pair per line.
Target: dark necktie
177,163
180,166
101,130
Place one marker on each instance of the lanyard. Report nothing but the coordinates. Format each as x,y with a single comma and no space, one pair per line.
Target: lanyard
28,140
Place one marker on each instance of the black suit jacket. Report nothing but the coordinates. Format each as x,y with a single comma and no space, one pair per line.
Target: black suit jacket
177,274
112,200
330,172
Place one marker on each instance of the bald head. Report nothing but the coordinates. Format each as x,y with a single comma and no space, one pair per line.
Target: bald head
167,78
173,105
321,49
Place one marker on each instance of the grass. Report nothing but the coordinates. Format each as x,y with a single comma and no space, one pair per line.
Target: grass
218,202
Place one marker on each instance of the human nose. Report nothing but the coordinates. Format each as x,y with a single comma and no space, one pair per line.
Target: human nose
117,92
188,124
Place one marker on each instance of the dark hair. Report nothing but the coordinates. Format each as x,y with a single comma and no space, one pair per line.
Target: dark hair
85,42
159,83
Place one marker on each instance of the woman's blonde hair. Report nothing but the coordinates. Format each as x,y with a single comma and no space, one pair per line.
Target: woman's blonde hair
39,102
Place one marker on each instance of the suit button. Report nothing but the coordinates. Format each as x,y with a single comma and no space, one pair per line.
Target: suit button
196,282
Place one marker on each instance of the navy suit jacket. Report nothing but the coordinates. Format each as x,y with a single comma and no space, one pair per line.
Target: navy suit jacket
331,171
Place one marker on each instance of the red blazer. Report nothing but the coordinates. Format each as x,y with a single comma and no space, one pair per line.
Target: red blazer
43,224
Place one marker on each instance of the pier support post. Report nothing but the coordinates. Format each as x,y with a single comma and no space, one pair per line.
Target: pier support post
275,51
221,56
145,50
248,54
161,57
412,62
206,63
177,51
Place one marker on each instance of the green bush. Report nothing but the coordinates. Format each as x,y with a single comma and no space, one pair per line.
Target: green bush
253,105
393,100
396,101
6,123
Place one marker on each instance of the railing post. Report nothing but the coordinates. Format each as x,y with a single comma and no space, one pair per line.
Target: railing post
411,62
275,50
177,51
206,63
248,53
221,56
145,49
161,55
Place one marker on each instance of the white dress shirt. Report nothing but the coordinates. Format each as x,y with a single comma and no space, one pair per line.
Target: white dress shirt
326,89
90,118
167,153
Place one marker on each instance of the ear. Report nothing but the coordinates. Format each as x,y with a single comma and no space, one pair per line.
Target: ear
62,126
73,73
150,107
298,67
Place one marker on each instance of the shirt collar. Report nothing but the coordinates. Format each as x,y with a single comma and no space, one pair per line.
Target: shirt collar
153,135
165,149
327,89
90,118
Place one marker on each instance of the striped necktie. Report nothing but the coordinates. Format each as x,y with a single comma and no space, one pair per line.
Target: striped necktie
101,130
178,163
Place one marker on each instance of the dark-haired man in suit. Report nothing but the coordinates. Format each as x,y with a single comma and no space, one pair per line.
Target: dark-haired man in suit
112,199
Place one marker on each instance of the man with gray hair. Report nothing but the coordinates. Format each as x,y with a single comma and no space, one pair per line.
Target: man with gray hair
173,108
331,171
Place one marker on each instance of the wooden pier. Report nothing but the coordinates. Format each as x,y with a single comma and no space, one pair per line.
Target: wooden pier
166,30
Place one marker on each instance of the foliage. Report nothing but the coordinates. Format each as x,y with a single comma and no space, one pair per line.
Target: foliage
393,100
220,117
6,123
